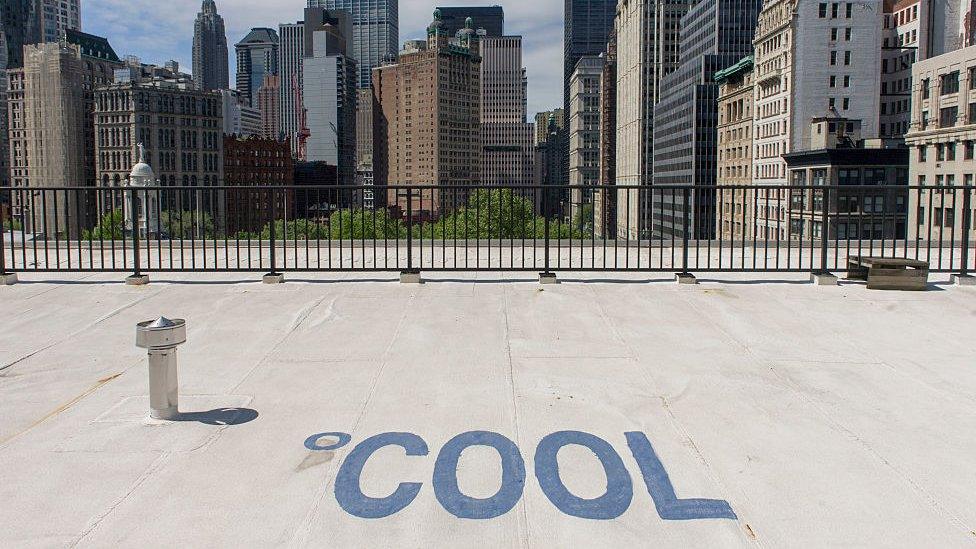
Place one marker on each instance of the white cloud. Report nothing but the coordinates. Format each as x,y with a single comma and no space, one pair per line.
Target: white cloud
157,31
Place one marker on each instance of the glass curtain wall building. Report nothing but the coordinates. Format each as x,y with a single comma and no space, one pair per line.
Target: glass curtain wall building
715,34
375,31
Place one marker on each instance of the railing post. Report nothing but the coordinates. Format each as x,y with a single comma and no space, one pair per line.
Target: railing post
823,277
6,279
824,229
137,278
273,277
964,277
410,275
684,277
546,276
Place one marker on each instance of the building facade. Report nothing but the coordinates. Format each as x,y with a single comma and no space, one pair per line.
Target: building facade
542,133
329,91
584,134
604,197
55,17
810,58
291,58
17,27
586,30
735,119
491,19
647,50
210,69
427,121
269,108
869,198
942,141
375,32
180,128
508,157
238,118
714,35
52,135
257,55
259,164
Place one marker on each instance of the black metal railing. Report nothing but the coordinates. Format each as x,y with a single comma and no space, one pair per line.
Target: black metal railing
476,228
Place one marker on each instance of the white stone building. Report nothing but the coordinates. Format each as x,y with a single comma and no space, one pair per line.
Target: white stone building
942,140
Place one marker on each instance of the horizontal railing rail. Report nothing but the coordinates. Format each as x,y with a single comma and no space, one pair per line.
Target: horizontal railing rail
608,228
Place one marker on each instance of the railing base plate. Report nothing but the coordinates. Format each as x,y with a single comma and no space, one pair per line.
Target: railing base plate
410,277
137,280
273,278
8,279
823,279
548,278
685,278
964,280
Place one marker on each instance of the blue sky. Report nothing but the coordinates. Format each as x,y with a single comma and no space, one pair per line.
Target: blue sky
158,30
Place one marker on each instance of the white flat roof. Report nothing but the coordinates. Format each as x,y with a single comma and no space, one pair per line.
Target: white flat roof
731,413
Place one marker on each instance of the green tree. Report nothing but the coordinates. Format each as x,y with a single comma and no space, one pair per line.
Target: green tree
296,229
110,227
365,225
496,213
187,224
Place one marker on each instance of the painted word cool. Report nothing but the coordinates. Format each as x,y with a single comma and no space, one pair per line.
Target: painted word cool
612,504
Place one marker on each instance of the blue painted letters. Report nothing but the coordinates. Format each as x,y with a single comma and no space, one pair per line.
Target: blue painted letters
613,503
446,483
348,490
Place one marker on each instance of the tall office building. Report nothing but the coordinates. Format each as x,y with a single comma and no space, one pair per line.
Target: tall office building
17,27
800,73
375,32
915,30
269,106
942,146
210,70
507,138
291,57
542,125
427,126
584,131
55,17
715,34
647,51
810,59
52,136
587,29
489,18
329,91
257,55
605,197
735,130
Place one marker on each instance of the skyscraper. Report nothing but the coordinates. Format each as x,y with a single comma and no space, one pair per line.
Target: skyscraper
587,28
375,32
715,34
329,91
291,57
55,17
17,27
647,51
52,100
584,131
257,55
428,123
507,138
210,49
489,18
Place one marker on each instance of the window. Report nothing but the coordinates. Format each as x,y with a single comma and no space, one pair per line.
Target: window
950,151
948,116
970,149
950,83
925,88
922,153
823,10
